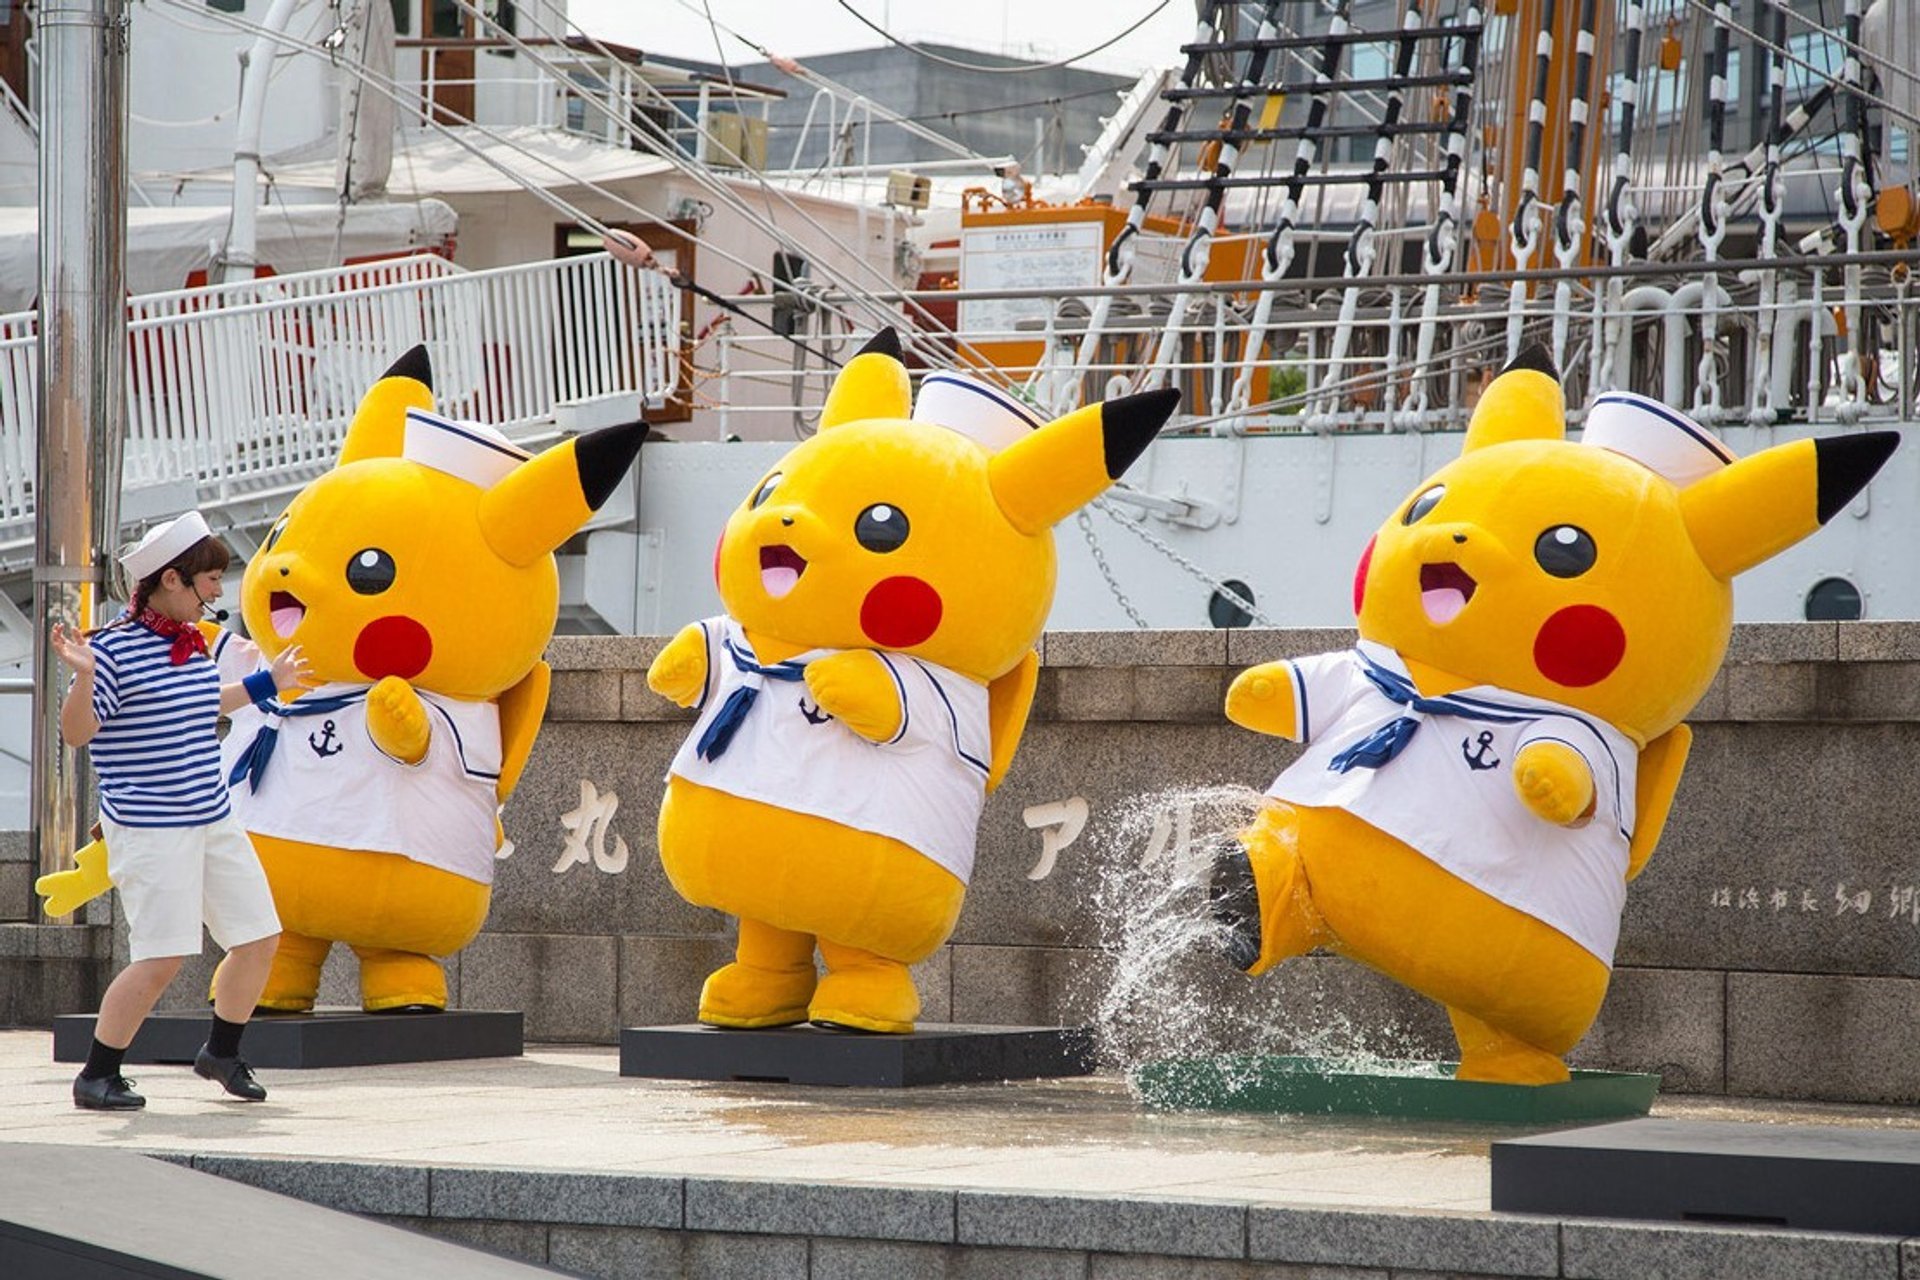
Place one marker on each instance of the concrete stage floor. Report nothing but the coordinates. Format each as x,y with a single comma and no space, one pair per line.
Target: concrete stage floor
565,1108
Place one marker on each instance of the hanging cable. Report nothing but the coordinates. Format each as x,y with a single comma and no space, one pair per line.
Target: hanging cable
636,125
1022,68
564,177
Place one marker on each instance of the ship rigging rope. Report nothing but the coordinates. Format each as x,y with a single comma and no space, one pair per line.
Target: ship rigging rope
390,89
877,313
807,75
403,97
1858,90
892,39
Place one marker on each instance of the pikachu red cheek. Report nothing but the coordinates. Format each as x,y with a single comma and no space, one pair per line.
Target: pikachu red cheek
1360,575
1580,645
392,646
900,613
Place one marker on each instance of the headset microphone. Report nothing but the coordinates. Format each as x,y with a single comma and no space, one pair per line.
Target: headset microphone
218,615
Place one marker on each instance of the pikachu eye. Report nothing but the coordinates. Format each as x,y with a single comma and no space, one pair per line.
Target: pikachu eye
273,534
881,528
370,572
1565,551
1423,504
765,491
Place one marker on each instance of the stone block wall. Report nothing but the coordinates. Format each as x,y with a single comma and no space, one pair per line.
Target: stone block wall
1771,948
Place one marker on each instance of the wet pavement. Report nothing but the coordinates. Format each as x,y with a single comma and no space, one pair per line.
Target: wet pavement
566,1107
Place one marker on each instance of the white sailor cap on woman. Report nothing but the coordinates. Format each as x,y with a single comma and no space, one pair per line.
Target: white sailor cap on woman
163,544
1662,439
978,410
470,451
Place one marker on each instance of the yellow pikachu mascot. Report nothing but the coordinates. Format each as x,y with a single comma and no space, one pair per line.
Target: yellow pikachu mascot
884,584
418,577
1495,760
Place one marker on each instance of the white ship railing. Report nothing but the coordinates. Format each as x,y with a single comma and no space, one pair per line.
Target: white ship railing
245,388
1654,338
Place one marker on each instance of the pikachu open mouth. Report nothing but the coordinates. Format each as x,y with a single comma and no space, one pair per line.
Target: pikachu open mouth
780,569
1444,591
284,611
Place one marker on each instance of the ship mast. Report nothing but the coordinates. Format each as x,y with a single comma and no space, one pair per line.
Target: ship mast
83,344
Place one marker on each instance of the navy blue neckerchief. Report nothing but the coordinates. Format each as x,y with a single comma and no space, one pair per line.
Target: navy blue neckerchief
251,764
1390,739
726,722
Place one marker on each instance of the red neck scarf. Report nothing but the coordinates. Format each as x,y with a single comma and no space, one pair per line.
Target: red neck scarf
186,636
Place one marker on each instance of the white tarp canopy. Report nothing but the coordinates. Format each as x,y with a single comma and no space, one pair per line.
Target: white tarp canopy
164,245
428,163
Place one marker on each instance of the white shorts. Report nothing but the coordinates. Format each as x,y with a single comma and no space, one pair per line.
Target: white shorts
172,878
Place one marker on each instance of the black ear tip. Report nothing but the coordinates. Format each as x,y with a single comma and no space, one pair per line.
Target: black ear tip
1128,425
415,365
1845,464
603,457
884,343
1536,357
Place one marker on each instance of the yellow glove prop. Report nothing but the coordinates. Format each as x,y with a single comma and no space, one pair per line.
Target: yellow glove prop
67,891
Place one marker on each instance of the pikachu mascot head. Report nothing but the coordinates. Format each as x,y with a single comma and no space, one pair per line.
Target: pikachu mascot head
1489,767
418,577
884,584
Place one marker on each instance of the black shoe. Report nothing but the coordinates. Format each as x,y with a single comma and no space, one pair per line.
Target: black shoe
1234,903
106,1093
231,1074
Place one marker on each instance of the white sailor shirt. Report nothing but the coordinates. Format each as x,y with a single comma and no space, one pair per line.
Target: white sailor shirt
924,787
326,782
1449,794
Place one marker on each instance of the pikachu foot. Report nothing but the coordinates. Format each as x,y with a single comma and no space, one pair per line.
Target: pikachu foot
746,996
1260,898
294,979
1487,1053
400,982
864,992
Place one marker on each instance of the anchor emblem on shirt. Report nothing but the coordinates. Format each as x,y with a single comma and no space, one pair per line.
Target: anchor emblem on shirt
1480,759
813,713
320,741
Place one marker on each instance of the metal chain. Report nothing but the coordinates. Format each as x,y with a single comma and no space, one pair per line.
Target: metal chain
1231,596
1106,571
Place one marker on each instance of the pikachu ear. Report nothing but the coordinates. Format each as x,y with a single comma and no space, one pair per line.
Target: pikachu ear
1524,403
379,424
1044,477
872,385
546,499
1759,506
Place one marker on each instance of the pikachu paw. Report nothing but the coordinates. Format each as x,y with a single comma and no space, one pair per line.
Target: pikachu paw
397,719
679,672
1554,781
1262,699
67,891
855,688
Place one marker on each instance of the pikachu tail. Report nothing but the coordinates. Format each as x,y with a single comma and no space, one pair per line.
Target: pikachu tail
67,891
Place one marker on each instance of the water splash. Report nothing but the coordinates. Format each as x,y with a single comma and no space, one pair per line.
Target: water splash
1166,992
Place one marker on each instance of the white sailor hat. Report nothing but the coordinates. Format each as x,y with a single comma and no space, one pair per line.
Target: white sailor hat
163,544
978,410
469,451
1663,440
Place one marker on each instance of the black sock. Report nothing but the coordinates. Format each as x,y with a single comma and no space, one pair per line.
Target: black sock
224,1040
102,1061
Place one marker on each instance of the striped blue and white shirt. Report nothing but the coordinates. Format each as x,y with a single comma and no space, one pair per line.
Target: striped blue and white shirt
157,754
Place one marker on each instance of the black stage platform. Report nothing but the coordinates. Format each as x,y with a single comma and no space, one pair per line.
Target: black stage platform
323,1038
1809,1177
934,1053
78,1213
